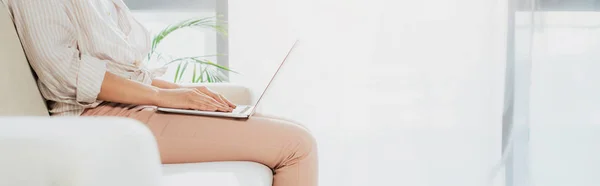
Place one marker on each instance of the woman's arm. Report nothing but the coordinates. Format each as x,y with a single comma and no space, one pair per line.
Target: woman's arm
164,84
121,90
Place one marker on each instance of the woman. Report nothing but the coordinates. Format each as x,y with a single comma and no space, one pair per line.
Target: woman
87,55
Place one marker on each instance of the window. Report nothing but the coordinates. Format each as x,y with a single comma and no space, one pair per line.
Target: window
561,5
554,57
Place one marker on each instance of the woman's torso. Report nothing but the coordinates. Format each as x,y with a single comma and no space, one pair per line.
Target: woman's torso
104,33
120,39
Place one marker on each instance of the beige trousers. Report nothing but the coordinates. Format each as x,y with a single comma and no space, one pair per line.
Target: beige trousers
287,148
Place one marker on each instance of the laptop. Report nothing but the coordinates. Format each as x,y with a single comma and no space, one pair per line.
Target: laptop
241,111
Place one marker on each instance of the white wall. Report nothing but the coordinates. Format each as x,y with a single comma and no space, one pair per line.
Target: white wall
260,33
396,92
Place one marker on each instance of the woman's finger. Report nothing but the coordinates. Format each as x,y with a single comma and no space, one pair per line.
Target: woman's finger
214,95
206,108
227,101
221,100
207,100
224,106
211,99
202,105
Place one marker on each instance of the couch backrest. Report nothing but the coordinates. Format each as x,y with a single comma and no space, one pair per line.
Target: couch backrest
19,94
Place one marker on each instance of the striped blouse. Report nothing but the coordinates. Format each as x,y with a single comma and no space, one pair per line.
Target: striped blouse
70,45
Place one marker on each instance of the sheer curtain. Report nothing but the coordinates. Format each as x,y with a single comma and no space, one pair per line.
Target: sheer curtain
396,92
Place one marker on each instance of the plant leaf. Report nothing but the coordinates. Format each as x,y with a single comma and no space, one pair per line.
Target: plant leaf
202,72
188,58
209,77
222,76
207,22
207,62
177,73
194,73
209,71
215,74
185,65
218,78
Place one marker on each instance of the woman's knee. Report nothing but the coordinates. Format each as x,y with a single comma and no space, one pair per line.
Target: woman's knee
300,141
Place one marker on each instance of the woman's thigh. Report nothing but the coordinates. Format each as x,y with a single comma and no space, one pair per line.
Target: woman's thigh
188,138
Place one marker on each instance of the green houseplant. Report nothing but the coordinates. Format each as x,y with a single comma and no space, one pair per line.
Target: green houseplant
203,69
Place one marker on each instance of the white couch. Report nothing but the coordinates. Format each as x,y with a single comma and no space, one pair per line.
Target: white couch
36,149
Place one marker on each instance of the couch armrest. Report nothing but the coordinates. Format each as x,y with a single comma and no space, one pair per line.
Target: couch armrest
77,151
235,93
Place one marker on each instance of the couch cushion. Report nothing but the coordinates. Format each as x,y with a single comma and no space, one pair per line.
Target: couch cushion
19,93
217,174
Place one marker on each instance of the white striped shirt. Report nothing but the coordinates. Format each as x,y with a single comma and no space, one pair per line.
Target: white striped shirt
70,45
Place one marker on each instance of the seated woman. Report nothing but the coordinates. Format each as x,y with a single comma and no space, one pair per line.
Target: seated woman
87,56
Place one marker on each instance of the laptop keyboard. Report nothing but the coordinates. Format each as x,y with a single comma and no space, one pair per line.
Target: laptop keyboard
240,109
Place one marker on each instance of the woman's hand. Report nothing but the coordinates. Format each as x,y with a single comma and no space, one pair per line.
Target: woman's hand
220,98
202,89
190,98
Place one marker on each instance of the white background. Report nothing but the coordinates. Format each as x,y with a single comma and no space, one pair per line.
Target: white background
397,93
411,92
